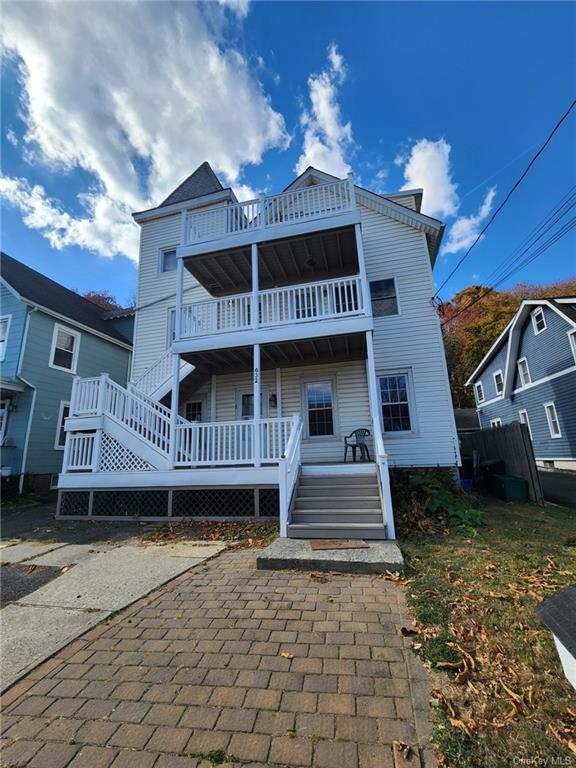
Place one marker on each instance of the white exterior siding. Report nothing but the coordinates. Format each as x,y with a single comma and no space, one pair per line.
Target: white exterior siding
411,340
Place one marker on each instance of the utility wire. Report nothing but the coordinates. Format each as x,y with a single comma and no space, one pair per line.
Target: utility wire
510,193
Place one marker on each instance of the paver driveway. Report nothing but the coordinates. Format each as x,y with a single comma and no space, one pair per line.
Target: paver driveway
274,668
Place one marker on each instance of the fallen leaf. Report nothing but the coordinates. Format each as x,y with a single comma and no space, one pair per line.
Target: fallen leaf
318,577
406,631
287,655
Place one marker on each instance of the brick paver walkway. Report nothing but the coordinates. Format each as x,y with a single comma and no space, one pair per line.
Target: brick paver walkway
273,668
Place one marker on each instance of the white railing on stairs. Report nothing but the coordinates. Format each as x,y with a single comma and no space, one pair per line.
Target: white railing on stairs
383,472
324,300
157,374
314,202
289,470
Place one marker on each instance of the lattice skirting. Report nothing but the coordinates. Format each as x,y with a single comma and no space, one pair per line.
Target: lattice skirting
222,503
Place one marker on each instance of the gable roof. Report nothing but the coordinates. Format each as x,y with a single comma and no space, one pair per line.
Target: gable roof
510,334
202,182
39,290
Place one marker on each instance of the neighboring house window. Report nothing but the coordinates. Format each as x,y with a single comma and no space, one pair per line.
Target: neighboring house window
320,408
523,372
168,260
60,433
384,298
538,321
193,410
65,345
4,328
395,402
497,422
479,390
3,418
499,382
525,420
553,423
572,337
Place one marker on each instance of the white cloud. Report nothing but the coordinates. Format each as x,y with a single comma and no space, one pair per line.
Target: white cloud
427,166
240,7
327,139
466,229
12,138
149,93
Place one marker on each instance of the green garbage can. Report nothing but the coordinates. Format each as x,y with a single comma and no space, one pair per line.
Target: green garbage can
509,488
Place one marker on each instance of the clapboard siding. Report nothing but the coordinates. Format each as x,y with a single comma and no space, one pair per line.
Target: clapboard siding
498,363
549,351
562,392
13,308
411,340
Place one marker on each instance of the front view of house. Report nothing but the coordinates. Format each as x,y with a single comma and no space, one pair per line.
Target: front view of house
266,333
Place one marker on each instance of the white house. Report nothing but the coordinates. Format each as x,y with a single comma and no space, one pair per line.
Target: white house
266,332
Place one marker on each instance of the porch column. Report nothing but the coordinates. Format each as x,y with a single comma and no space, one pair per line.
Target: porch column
366,301
174,404
255,286
257,404
373,393
179,298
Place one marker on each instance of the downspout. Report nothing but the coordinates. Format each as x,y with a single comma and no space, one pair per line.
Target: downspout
32,406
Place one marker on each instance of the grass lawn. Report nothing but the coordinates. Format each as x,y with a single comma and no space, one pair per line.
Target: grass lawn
500,692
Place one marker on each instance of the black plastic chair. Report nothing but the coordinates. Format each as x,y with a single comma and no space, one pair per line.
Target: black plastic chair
357,441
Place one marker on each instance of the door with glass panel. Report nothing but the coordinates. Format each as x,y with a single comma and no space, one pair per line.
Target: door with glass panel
245,412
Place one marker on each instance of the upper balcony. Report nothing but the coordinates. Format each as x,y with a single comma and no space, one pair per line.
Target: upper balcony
299,211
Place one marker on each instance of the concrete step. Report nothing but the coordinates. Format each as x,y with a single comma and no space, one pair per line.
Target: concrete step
326,517
336,531
337,479
333,502
337,493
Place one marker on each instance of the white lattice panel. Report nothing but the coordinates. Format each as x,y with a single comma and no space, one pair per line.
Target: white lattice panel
114,457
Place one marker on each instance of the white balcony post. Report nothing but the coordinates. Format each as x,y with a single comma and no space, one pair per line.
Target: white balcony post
352,191
257,404
179,298
102,393
255,285
174,406
184,227
96,450
366,303
373,390
262,210
74,395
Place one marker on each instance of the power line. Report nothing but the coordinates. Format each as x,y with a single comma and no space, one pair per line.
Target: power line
510,193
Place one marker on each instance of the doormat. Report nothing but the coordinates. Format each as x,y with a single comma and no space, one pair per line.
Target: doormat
338,544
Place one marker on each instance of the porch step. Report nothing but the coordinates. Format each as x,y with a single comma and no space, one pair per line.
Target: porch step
339,480
336,531
329,502
329,516
341,491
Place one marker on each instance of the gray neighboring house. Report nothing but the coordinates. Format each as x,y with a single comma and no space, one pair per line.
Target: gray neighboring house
529,375
48,335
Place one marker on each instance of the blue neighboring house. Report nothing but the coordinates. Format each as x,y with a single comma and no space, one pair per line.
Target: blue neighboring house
48,335
529,375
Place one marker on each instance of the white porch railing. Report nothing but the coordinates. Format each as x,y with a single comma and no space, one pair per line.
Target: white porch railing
324,300
158,373
231,442
80,454
315,202
288,471
383,472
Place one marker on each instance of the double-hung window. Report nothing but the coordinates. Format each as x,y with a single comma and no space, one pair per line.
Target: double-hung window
3,418
395,401
497,422
499,382
384,298
320,408
523,372
4,328
572,338
64,353
60,433
553,423
538,321
479,391
525,420
168,260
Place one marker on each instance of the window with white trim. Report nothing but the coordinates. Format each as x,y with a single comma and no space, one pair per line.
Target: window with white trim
523,415
523,372
497,422
168,260
553,423
538,321
60,433
479,392
65,344
319,408
384,297
572,338
395,398
4,328
4,406
499,382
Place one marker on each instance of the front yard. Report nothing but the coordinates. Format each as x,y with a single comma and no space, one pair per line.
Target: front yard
500,694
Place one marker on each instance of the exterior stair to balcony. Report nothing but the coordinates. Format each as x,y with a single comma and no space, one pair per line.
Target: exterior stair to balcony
337,506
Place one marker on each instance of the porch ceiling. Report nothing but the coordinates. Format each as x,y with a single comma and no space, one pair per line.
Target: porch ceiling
287,354
306,258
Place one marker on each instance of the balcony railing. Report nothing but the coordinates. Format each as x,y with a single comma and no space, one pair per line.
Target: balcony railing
324,300
315,202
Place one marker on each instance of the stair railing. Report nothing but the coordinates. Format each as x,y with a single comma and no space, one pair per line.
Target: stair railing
383,472
289,470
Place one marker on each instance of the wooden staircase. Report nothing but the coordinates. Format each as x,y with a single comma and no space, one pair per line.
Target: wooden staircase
337,506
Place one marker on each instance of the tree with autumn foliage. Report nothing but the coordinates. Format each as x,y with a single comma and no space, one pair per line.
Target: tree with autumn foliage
104,299
468,335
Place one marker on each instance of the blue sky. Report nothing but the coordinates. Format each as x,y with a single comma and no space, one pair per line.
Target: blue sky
454,97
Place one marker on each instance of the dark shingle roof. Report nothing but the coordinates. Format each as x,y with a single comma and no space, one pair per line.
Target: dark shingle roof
202,182
559,615
39,289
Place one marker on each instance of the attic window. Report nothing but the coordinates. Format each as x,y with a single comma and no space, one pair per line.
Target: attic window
538,321
168,260
384,297
499,382
479,390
